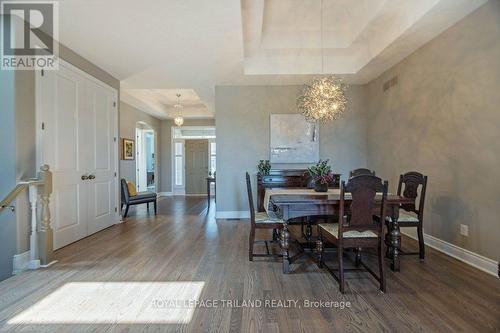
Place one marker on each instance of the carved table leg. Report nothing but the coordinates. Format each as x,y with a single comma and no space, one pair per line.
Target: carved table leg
285,236
319,249
395,243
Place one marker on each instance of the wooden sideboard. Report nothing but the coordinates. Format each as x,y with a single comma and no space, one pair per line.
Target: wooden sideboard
286,178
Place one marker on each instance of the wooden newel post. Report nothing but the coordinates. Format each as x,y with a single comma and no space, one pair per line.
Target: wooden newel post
45,233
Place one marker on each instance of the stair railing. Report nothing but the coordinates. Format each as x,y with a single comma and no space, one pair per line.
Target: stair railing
41,237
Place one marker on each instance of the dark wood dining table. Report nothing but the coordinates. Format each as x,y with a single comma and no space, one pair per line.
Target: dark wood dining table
294,203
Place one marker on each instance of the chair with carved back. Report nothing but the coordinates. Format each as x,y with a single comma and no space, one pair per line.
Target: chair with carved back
261,220
310,220
361,171
409,214
360,198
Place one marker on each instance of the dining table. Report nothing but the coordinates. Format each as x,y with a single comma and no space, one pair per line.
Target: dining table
293,203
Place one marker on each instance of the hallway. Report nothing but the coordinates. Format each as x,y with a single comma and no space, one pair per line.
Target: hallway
185,244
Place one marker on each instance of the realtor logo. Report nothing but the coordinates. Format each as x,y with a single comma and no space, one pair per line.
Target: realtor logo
29,35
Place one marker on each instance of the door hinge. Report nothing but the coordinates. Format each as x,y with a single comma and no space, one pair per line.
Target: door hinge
43,126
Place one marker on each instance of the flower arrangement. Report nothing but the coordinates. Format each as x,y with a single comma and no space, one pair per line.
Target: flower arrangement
322,175
264,167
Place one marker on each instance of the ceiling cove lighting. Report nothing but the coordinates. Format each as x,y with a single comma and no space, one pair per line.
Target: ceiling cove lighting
178,120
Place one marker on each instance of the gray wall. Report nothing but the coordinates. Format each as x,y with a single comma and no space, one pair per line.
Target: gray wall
166,146
24,142
242,117
443,119
129,117
8,241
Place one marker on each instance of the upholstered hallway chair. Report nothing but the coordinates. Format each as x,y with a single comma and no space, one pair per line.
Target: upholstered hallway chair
140,198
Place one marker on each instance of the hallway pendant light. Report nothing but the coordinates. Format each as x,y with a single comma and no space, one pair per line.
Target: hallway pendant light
178,120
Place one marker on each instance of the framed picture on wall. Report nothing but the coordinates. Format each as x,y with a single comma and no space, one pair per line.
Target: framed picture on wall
128,149
293,139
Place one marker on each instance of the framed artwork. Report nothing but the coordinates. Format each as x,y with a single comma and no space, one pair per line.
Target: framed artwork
293,139
128,149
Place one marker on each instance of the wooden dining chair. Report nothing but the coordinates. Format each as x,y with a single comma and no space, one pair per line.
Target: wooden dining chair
358,226
261,220
361,171
409,214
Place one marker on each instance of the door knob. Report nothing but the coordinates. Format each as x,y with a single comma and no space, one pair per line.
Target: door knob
84,177
91,177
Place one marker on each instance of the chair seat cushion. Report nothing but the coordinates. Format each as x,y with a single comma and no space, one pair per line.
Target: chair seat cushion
333,229
143,196
263,217
405,216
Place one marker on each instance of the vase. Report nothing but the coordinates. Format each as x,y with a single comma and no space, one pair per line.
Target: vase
319,187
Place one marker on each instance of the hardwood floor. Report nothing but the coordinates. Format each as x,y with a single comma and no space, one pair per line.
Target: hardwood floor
185,243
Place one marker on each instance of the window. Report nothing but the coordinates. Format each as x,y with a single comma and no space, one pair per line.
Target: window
179,169
213,152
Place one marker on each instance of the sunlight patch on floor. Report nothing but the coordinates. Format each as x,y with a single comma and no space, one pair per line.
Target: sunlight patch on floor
115,302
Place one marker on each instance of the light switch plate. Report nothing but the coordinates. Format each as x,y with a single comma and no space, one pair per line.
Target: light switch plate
464,230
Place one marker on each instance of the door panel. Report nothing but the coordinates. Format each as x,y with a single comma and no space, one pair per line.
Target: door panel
102,202
196,166
63,114
79,118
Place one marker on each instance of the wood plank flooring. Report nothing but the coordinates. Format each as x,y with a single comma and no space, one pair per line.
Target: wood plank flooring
185,243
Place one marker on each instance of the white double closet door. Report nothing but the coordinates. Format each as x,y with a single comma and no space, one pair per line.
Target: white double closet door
77,129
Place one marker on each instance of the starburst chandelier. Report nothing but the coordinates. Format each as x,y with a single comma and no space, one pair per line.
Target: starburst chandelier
323,100
178,120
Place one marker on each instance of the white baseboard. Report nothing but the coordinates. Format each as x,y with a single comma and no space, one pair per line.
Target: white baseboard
235,214
21,262
476,260
165,194
50,264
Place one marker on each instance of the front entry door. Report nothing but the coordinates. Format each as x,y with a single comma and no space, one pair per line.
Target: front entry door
196,166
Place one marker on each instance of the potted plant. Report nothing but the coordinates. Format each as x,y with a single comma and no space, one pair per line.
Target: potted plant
322,175
264,167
